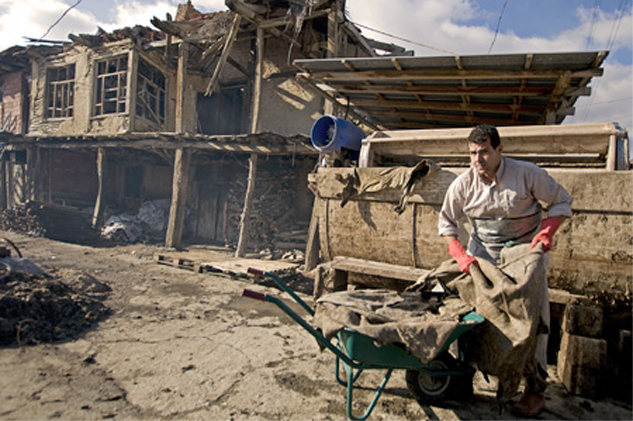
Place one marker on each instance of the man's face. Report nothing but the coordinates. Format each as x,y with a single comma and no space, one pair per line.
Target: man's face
485,159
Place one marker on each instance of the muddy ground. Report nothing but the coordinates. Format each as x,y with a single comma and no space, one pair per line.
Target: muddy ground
180,345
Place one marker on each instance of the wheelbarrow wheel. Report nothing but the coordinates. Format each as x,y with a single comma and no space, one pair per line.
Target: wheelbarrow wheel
432,390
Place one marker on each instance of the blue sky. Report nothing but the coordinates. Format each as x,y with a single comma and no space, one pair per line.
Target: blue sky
456,26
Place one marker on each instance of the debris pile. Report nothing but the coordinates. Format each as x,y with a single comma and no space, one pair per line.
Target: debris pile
43,308
48,220
148,224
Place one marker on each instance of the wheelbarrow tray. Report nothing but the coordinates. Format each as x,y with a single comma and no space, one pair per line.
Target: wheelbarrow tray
365,350
359,352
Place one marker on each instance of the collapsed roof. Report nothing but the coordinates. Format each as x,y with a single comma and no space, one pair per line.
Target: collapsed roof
17,58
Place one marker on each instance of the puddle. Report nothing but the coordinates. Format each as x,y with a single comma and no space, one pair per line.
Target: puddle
184,289
260,309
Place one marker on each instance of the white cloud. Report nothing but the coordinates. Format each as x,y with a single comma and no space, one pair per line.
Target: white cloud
610,99
32,18
133,12
138,12
447,25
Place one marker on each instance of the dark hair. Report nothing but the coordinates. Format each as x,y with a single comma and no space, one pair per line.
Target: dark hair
482,133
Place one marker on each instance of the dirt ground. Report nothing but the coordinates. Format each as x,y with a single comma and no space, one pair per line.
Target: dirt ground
180,345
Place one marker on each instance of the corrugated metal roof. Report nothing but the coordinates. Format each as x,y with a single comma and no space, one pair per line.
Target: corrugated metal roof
461,91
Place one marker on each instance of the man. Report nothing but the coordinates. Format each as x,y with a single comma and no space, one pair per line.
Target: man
500,196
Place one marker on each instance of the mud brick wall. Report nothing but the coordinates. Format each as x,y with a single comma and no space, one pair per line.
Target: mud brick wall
12,105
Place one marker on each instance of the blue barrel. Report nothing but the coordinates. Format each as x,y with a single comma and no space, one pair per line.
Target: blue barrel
330,134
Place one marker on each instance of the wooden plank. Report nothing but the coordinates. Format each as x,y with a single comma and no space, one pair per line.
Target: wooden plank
369,267
612,153
226,51
312,244
216,262
425,114
448,106
581,138
508,132
544,145
246,211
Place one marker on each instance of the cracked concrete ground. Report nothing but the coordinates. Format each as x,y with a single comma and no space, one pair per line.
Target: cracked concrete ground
181,345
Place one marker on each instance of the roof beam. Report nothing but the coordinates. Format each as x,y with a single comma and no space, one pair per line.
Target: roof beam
432,117
450,74
444,90
449,106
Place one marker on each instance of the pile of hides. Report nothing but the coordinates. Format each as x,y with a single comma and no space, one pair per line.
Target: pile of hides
149,224
509,297
390,317
37,307
403,179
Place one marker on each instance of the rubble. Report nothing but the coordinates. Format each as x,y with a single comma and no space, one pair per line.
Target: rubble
149,224
38,308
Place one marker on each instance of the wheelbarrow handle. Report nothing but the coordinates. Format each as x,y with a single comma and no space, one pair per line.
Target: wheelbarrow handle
253,294
257,272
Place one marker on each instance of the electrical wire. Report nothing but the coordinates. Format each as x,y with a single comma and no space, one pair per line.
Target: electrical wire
606,102
403,39
592,25
505,3
612,36
616,26
60,18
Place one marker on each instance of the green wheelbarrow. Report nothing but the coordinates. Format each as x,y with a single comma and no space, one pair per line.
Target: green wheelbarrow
431,383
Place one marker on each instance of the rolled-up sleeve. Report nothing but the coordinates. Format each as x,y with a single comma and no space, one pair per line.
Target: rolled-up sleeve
547,190
452,210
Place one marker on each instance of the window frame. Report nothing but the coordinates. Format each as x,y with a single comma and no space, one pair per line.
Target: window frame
107,70
151,94
60,92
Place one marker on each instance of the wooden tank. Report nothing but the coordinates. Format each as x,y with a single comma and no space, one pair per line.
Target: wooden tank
592,253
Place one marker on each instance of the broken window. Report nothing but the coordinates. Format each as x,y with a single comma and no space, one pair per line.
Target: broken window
150,93
60,91
111,89
221,113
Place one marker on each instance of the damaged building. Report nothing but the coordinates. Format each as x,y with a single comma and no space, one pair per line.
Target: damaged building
200,116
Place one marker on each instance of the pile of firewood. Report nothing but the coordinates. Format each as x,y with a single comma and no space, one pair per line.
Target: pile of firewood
22,219
274,227
48,220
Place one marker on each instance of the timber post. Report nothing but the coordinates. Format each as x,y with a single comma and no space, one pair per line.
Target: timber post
181,78
182,160
3,182
252,167
97,214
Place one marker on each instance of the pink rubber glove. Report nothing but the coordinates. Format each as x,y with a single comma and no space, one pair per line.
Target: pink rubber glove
548,228
464,261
